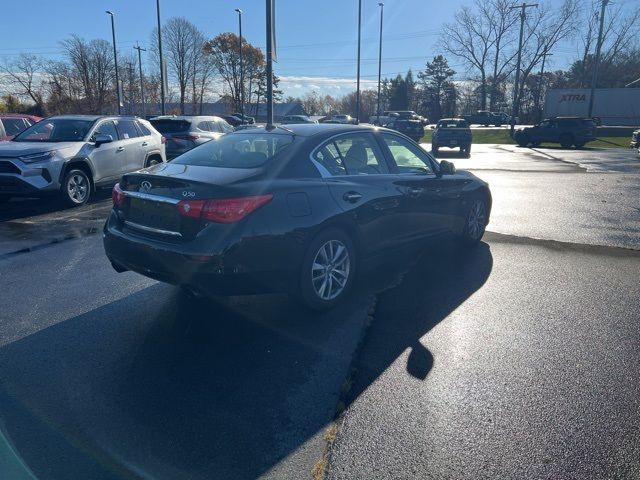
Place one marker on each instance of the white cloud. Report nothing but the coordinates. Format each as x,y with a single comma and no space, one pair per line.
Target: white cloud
323,85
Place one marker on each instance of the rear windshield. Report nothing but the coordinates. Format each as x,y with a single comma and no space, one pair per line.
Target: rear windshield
171,126
452,124
237,150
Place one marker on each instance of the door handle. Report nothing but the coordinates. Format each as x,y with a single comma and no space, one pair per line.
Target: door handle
120,149
415,191
144,144
352,197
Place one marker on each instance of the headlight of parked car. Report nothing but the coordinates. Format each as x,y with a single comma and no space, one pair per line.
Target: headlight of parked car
37,157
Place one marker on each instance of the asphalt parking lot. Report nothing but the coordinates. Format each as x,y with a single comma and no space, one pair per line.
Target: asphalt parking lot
517,359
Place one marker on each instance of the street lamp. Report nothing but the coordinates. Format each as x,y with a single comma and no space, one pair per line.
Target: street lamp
380,60
115,57
241,65
162,72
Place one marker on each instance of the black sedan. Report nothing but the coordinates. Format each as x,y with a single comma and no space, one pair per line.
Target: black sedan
298,209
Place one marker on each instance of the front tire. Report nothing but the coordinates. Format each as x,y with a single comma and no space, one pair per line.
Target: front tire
76,188
475,223
328,270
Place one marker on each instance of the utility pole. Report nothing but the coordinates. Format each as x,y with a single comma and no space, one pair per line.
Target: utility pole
380,60
162,79
131,95
516,94
140,49
545,54
241,65
358,74
115,58
269,64
596,61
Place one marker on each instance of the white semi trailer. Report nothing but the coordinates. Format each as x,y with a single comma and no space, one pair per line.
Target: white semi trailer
613,106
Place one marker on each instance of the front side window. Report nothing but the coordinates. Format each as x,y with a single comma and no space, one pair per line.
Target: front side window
352,154
408,157
237,151
105,128
56,130
127,129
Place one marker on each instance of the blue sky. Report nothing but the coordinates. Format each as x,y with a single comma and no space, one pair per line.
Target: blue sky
316,38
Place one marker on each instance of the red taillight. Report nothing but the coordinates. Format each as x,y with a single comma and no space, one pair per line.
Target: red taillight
117,195
163,139
225,210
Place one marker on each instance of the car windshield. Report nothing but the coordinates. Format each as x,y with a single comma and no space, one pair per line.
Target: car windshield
250,150
56,130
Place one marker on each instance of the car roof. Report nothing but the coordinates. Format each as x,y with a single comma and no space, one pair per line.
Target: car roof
185,117
310,129
93,118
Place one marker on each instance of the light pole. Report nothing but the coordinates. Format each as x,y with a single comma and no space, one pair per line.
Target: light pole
545,54
162,79
358,73
140,49
596,61
115,57
516,94
380,60
241,65
269,16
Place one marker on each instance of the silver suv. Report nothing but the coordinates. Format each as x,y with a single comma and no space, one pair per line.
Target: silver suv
74,154
186,132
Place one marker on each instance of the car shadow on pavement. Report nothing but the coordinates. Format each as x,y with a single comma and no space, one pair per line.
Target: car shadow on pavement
18,208
444,154
212,389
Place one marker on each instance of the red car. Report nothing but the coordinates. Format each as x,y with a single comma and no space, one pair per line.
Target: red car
12,124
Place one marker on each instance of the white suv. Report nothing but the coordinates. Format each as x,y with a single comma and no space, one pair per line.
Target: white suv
73,154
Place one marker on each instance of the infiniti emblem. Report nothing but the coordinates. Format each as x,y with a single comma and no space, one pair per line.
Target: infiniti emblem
145,186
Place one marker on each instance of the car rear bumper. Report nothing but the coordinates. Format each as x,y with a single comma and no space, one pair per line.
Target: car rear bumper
231,271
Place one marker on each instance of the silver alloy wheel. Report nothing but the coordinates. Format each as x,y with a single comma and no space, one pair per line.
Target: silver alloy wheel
330,270
476,220
77,188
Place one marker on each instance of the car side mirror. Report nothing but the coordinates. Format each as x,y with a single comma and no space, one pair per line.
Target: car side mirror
447,168
100,139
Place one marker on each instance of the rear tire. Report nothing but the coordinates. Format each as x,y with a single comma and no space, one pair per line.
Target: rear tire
328,270
523,141
76,188
475,223
151,161
566,140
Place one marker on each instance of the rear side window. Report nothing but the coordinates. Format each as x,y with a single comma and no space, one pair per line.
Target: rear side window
237,151
13,126
127,129
171,126
143,129
205,126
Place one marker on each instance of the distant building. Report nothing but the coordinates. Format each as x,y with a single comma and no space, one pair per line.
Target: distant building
613,106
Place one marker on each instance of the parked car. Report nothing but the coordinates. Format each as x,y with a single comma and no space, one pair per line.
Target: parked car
390,115
566,131
452,133
505,118
73,154
186,132
343,119
298,210
12,124
635,140
411,128
483,117
245,119
232,120
293,119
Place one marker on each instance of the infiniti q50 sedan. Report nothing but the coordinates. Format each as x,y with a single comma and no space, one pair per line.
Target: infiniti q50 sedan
298,209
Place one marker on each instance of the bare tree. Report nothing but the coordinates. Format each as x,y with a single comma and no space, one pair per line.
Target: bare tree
25,80
471,38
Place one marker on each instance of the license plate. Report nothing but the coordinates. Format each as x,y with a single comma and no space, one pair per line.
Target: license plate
154,214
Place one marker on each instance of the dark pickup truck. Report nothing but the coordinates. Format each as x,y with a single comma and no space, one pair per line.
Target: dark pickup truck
483,117
452,133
